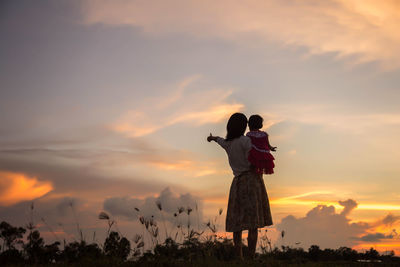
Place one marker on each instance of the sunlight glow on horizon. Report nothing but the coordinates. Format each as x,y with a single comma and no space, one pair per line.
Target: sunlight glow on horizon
381,246
295,200
286,201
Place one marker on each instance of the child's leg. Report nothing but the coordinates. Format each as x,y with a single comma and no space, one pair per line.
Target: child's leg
237,240
252,242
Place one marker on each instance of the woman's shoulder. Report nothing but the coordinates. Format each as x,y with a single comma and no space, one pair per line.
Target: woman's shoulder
241,139
245,140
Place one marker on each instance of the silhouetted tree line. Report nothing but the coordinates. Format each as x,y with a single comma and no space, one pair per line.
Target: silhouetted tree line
17,250
315,253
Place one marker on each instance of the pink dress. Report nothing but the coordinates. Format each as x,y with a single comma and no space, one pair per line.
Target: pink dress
260,155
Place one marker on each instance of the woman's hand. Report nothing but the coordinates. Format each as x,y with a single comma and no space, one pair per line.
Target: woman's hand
211,138
272,148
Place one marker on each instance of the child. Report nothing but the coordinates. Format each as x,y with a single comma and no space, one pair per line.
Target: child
259,155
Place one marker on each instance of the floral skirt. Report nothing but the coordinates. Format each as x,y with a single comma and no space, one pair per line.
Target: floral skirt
248,206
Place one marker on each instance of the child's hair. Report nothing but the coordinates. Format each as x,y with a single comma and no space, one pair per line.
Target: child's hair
255,122
236,126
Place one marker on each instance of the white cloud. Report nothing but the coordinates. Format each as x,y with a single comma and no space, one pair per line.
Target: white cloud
365,29
332,119
194,106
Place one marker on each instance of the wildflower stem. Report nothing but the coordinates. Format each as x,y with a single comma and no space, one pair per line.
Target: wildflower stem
165,227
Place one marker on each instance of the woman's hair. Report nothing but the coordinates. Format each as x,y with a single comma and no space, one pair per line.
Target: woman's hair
255,122
236,126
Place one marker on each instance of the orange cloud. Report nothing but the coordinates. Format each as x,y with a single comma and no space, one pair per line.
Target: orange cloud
16,187
366,30
193,168
216,199
179,165
211,115
135,123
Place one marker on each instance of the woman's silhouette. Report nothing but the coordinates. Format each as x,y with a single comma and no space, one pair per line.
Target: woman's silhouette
248,206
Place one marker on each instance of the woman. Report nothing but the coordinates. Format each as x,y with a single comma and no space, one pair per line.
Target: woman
248,206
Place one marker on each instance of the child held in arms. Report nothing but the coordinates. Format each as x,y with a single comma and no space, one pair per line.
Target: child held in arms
260,154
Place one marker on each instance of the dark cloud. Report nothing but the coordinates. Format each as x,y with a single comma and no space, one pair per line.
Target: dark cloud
169,202
66,203
323,226
348,205
78,171
73,163
390,219
376,237
79,189
50,207
96,147
59,218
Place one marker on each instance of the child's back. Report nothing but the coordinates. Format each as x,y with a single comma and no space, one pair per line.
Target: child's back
260,154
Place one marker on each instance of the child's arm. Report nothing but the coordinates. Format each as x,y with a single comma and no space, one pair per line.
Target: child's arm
272,148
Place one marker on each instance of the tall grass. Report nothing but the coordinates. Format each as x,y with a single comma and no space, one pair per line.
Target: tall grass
200,245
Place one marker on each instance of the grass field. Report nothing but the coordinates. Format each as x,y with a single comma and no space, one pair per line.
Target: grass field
184,246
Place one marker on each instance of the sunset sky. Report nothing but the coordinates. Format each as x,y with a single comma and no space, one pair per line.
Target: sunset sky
106,106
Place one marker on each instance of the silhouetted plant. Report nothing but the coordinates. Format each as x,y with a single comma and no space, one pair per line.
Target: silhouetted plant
151,228
78,228
264,241
198,247
76,251
283,233
50,228
51,253
11,235
139,245
346,253
159,206
117,247
105,216
314,252
11,257
35,247
371,254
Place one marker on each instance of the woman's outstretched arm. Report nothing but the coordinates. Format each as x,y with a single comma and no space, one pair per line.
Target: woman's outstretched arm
220,141
212,138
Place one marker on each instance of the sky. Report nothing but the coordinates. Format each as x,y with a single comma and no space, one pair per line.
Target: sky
106,106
